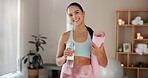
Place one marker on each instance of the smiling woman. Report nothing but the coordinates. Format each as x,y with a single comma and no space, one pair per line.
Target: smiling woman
81,38
9,14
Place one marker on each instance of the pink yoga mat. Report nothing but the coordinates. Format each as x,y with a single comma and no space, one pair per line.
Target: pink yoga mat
98,39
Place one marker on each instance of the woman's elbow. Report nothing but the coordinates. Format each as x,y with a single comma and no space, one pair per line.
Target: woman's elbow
58,62
105,63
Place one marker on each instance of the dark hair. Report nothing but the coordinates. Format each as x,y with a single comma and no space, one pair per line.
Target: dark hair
75,4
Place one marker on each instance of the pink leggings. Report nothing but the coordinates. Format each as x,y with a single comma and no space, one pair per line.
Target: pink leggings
79,72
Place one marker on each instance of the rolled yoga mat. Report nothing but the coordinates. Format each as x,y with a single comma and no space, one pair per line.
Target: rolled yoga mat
98,39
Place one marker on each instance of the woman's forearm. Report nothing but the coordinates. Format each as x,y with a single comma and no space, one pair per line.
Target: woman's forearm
60,60
102,60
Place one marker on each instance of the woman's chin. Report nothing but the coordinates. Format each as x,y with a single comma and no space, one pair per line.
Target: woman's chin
76,24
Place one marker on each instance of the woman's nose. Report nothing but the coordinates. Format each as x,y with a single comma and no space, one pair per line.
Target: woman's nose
74,16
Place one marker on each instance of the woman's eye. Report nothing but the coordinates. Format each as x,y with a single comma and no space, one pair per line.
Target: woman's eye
70,15
76,12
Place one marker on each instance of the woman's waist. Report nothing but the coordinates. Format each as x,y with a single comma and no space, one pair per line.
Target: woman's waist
79,61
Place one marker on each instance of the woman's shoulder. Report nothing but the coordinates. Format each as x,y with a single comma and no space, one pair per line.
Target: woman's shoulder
65,35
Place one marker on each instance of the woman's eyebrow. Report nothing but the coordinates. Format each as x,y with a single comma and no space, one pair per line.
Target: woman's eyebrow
76,11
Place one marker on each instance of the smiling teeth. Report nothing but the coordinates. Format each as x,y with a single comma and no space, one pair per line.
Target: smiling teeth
76,20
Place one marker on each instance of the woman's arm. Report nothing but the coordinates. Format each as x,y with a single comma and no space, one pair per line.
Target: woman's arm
99,52
60,58
61,51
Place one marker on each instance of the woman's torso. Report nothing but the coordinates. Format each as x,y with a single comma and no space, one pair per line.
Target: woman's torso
82,50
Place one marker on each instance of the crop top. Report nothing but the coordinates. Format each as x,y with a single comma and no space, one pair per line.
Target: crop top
81,48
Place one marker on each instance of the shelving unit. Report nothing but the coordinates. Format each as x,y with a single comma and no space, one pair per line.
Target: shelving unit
126,32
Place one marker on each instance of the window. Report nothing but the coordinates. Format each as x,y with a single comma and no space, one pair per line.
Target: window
9,35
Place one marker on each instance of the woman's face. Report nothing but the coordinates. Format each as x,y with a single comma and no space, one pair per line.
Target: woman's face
76,15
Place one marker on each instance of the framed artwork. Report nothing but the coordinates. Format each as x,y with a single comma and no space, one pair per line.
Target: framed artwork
126,47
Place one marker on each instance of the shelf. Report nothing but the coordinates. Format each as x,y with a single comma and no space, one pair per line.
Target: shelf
125,53
142,68
140,25
131,67
141,39
131,10
126,32
124,25
131,53
138,10
122,10
133,25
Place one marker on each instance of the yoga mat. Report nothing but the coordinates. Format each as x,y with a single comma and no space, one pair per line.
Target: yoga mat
98,39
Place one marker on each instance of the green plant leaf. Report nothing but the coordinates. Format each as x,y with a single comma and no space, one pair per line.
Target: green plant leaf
42,48
44,37
31,54
43,41
32,42
34,36
40,61
25,61
37,49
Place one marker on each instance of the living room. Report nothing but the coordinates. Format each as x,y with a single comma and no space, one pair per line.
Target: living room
48,17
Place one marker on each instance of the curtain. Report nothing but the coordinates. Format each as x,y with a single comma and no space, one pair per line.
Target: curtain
8,36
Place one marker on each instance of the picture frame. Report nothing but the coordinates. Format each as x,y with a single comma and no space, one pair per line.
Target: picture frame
126,47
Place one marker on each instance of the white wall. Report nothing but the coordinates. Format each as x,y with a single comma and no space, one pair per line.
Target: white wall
48,17
52,24
29,24
100,15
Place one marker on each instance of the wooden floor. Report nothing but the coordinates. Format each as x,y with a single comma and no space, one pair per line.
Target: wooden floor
23,75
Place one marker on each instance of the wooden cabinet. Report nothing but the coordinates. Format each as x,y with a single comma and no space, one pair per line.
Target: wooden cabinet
128,25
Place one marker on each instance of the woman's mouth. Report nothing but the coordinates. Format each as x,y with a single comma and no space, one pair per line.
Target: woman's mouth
76,20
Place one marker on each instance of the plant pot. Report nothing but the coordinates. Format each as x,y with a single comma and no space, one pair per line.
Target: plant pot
33,73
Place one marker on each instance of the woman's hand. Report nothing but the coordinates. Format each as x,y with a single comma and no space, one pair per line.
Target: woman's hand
95,49
99,52
68,52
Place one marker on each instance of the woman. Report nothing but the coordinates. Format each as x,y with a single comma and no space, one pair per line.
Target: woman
84,46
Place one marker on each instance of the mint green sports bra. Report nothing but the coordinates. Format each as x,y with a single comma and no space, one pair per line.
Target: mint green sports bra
81,48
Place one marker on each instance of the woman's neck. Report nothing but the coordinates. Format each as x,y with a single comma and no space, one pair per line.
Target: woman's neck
80,28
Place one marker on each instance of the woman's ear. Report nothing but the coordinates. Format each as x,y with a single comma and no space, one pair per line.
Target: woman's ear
83,13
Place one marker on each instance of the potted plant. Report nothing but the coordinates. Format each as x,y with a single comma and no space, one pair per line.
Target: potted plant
33,59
